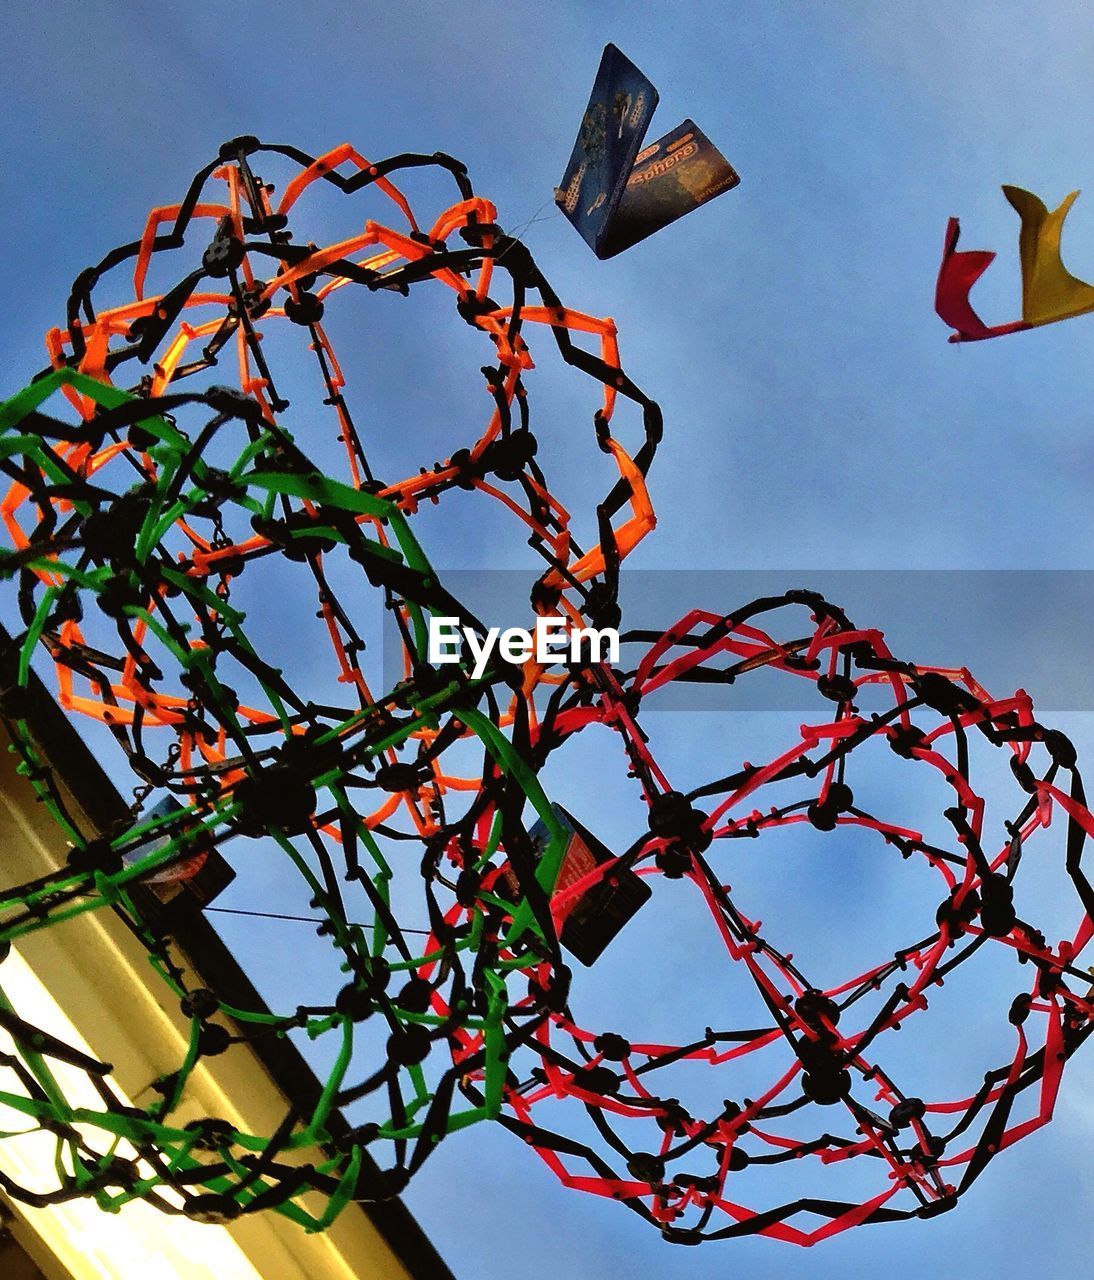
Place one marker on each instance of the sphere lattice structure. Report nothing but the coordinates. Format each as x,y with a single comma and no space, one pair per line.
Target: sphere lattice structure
137,515
827,1090
169,538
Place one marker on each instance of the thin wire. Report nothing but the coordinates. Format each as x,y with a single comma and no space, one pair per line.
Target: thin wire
277,915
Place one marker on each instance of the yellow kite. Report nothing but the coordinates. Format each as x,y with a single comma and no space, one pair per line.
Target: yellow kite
1049,291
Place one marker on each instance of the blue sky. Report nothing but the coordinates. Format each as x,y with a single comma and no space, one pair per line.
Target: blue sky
816,417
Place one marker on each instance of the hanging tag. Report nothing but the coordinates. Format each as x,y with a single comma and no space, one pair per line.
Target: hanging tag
614,193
